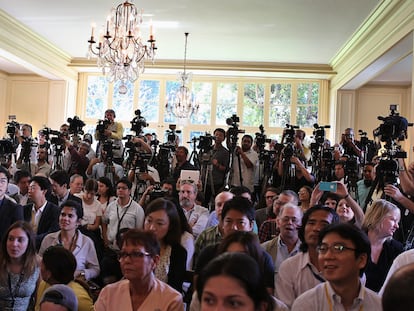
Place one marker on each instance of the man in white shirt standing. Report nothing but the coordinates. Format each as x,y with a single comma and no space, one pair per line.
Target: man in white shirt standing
248,159
197,216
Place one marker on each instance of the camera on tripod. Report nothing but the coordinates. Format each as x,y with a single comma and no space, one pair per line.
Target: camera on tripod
289,140
319,133
261,139
75,125
234,130
172,136
47,132
138,122
205,143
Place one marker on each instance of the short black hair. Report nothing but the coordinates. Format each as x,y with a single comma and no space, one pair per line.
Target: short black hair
241,204
219,129
20,174
60,262
305,219
73,205
350,232
124,181
5,172
42,181
61,177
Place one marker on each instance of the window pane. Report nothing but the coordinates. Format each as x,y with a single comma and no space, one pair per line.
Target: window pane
307,105
97,97
149,99
123,103
170,91
253,101
226,101
203,92
307,116
280,104
308,93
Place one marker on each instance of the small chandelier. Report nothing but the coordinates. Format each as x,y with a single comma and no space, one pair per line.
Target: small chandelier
182,103
121,50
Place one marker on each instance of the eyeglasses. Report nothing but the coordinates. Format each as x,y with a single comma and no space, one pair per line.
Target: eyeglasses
286,219
132,255
336,248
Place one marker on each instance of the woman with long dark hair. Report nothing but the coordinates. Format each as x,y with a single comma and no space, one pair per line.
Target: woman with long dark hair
19,271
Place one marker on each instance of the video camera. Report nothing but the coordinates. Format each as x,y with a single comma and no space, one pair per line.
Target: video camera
393,128
101,126
289,140
47,132
138,123
75,125
171,135
157,192
205,143
234,130
261,139
319,133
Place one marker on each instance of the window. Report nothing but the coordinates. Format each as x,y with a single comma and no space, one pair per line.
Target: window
271,102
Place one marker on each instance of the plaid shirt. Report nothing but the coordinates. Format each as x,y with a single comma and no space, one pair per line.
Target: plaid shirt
268,230
210,236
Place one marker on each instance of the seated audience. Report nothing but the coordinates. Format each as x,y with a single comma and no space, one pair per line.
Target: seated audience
343,255
59,297
301,272
381,221
58,266
161,218
140,289
19,271
234,279
398,294
73,240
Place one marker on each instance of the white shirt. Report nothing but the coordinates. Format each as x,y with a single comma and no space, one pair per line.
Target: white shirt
197,218
118,217
323,298
248,174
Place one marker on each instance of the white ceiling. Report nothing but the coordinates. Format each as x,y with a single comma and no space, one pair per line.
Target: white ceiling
285,31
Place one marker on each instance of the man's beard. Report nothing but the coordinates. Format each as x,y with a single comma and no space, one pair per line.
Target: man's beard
186,203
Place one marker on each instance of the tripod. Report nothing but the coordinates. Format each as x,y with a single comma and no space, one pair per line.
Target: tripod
207,175
194,155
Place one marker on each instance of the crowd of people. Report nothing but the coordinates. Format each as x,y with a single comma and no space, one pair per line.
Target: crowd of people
75,235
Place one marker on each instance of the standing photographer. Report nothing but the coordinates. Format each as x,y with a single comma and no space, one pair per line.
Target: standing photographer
350,145
245,163
26,151
114,131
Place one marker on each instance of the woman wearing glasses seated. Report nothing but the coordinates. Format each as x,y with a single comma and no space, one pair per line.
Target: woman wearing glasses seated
140,289
161,218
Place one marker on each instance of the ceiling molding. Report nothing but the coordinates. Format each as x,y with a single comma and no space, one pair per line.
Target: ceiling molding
26,48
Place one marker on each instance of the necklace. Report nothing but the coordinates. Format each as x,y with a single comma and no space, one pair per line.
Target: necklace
14,292
72,242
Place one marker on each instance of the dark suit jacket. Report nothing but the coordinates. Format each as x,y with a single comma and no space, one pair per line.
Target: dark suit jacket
49,221
178,261
10,212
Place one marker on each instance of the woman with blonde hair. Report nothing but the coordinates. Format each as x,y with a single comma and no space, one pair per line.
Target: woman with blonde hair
380,222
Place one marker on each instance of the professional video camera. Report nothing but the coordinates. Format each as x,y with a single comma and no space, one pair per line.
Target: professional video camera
289,140
393,128
12,127
319,133
172,135
233,131
261,139
47,132
392,131
6,147
101,126
75,125
138,123
205,143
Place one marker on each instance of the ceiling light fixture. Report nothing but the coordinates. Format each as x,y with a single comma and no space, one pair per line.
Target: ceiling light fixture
121,49
182,103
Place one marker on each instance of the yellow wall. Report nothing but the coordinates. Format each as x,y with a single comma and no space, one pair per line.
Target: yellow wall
34,100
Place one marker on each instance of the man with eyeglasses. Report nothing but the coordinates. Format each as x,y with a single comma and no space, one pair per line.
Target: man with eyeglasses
287,243
266,213
121,213
10,212
343,253
302,271
269,229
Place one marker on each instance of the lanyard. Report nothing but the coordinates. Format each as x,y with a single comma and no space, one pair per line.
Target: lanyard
123,214
317,276
16,289
361,307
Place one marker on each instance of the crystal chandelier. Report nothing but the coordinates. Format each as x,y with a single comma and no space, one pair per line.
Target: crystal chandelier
121,50
182,103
